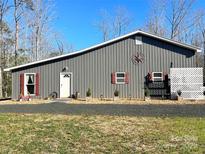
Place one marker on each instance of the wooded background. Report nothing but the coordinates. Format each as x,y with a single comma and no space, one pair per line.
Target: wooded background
27,33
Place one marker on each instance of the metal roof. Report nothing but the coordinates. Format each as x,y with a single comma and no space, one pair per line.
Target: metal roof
194,48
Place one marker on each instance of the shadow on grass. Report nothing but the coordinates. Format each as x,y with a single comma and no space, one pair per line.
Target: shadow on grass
186,110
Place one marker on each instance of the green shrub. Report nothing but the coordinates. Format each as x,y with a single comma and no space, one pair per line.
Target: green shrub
116,93
88,93
179,92
146,92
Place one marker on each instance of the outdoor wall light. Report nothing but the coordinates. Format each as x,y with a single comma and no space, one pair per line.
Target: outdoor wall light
171,65
65,69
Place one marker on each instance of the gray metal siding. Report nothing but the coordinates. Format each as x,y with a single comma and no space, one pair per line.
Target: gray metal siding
93,69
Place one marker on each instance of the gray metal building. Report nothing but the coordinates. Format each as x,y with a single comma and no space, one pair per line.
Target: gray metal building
122,63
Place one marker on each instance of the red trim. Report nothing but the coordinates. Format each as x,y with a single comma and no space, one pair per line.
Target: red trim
37,84
164,74
113,80
150,76
22,84
126,78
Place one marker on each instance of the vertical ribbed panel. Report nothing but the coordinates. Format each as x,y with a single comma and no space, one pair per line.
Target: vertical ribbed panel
93,69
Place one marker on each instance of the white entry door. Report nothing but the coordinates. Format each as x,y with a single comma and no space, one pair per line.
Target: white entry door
65,85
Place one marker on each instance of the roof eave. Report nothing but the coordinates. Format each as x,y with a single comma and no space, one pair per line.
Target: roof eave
196,49
191,47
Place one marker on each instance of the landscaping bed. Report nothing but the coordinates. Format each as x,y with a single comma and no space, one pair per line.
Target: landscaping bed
104,101
134,101
44,133
33,101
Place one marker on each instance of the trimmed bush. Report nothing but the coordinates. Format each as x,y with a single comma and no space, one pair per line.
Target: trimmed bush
179,92
116,93
88,93
146,92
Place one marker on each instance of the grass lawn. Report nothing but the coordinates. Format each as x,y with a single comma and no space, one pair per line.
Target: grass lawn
100,134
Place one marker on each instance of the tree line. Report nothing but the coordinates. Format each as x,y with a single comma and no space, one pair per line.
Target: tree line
26,35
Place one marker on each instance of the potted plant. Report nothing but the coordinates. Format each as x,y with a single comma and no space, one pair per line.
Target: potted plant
88,94
24,98
147,94
116,95
179,93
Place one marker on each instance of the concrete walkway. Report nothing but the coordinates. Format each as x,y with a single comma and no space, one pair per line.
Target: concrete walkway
196,110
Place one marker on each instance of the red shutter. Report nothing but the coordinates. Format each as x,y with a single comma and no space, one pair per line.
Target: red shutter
113,78
150,78
126,78
164,74
21,84
37,84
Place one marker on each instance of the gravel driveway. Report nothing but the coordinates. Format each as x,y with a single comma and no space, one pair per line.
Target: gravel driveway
190,110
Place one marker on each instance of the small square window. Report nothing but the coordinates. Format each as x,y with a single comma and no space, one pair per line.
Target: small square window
138,40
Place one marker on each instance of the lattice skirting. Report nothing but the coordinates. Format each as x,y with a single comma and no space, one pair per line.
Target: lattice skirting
189,81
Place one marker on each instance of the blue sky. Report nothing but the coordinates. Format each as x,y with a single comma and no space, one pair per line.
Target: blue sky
75,19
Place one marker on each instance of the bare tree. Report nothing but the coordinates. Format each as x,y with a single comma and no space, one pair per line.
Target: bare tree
175,19
121,21
180,9
104,25
62,46
4,7
201,28
40,28
19,8
114,25
156,20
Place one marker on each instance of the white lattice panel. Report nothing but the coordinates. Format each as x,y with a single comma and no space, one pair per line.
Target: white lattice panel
189,81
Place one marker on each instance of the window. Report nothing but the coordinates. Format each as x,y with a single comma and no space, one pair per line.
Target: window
120,77
30,84
138,40
157,76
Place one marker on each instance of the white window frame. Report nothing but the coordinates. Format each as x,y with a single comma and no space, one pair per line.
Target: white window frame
161,78
25,84
120,77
